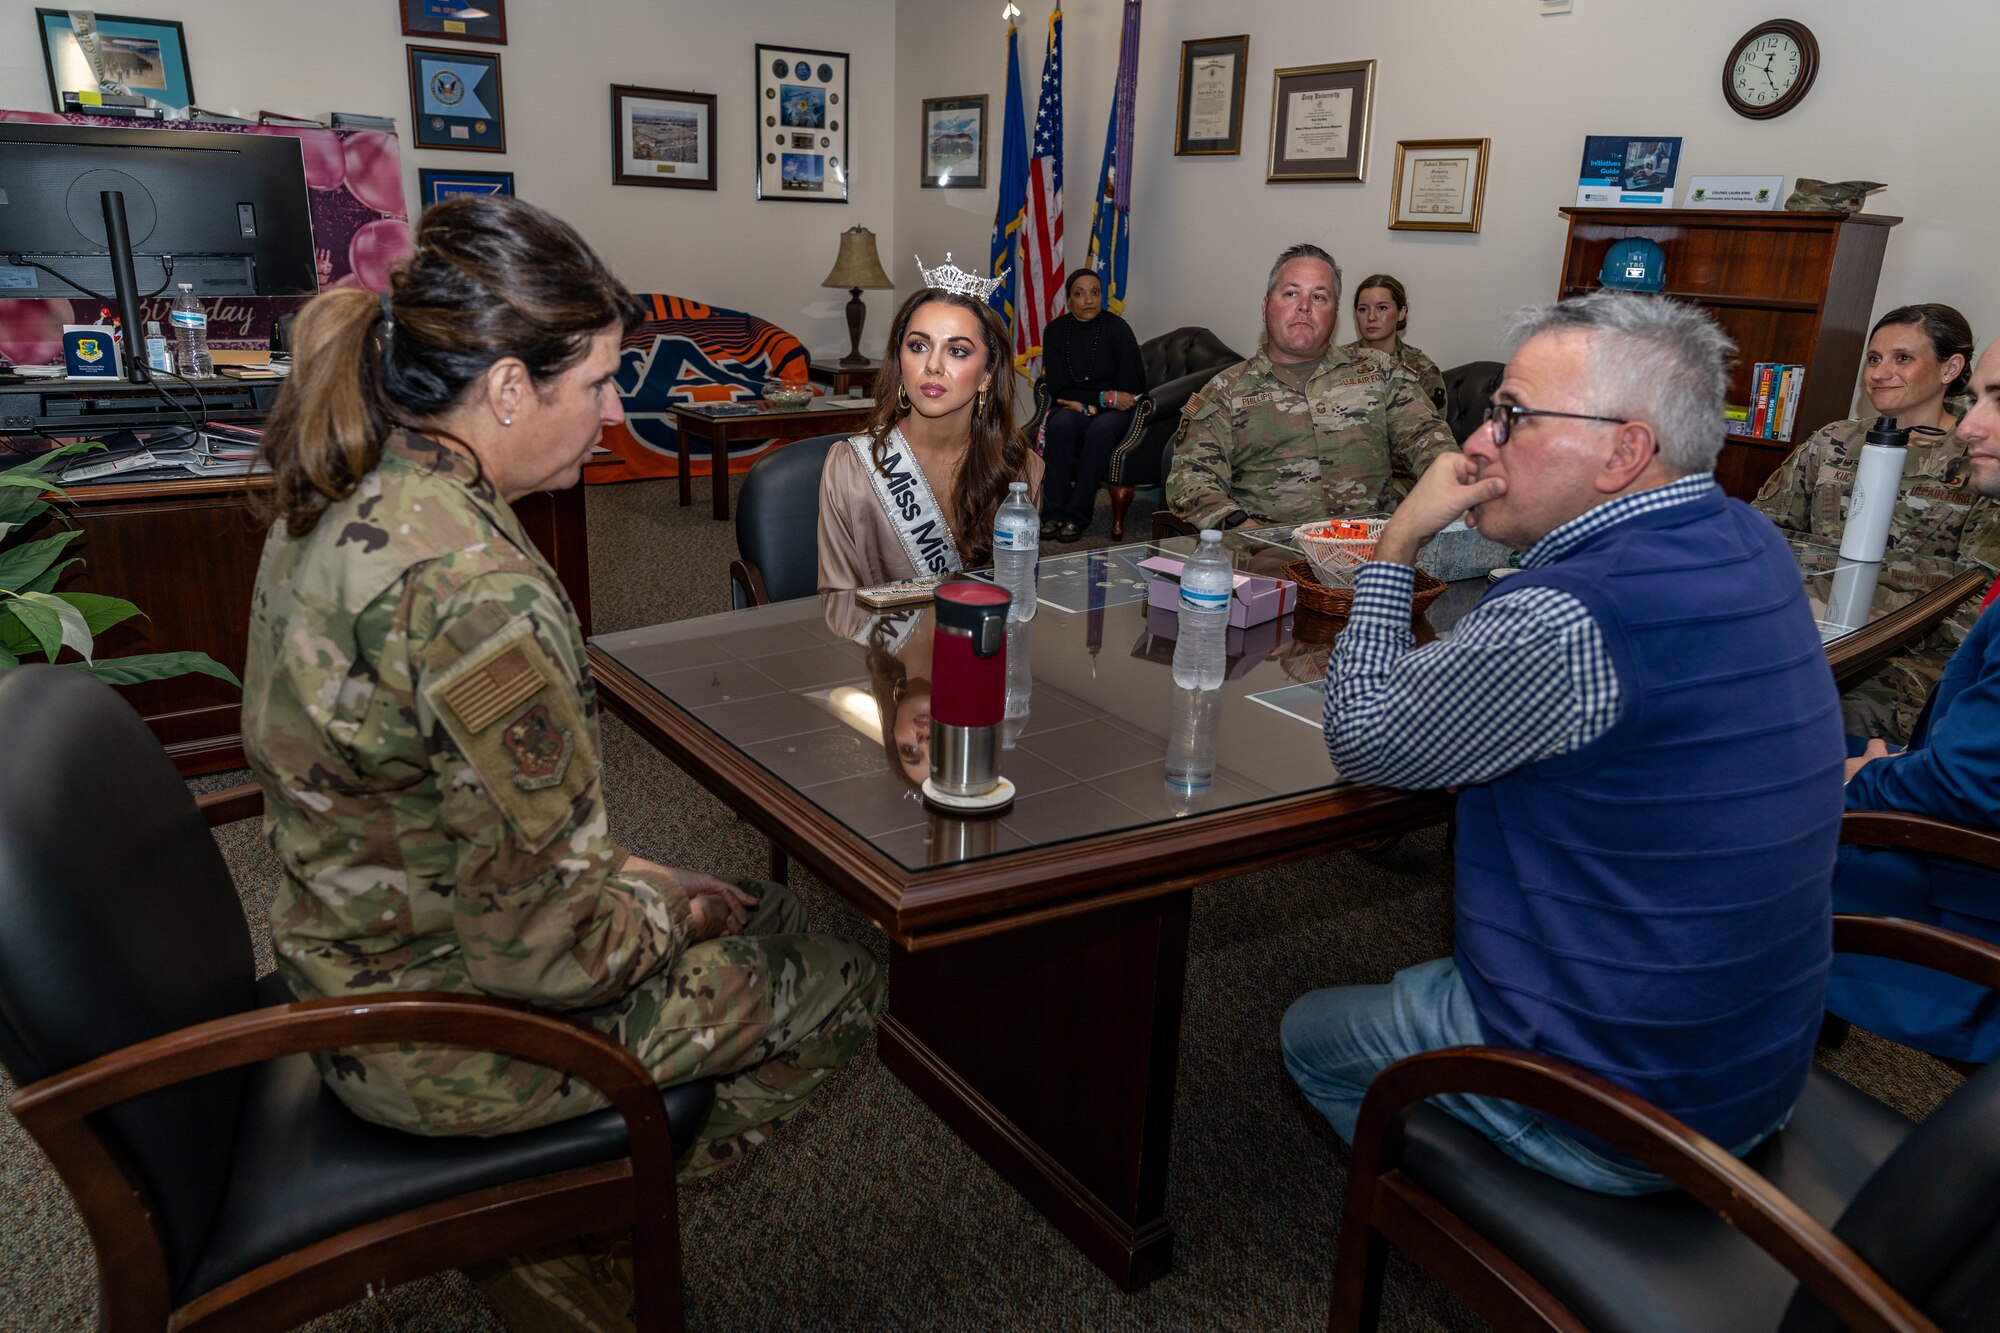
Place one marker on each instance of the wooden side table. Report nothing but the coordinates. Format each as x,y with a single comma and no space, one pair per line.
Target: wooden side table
720,429
841,378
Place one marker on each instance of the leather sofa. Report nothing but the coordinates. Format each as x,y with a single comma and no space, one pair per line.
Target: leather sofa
1177,364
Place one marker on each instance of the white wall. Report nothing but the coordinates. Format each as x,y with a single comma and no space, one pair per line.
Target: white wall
310,57
1904,95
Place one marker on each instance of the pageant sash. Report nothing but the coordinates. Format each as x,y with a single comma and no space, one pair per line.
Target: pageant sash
913,511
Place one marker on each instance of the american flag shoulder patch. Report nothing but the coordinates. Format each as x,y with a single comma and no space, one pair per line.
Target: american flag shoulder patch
491,690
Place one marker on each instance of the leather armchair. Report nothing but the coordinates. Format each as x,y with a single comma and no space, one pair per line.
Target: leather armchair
221,1182
1849,1216
1177,364
1468,392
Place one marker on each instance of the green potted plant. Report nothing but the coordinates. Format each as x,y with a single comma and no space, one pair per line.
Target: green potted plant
35,619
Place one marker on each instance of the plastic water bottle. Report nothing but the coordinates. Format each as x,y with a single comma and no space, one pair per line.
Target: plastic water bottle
191,335
1017,540
1191,738
1201,648
157,356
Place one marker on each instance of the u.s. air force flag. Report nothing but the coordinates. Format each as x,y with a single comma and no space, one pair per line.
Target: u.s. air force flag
1111,222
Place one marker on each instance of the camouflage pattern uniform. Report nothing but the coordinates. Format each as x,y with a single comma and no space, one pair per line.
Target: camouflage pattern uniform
1429,378
1352,443
1940,527
420,717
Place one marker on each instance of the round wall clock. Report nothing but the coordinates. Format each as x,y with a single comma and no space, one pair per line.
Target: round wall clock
1770,70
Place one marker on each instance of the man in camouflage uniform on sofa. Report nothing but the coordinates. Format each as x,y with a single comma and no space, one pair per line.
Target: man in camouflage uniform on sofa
1303,429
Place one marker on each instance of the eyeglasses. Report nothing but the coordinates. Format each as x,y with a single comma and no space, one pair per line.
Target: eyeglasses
1501,417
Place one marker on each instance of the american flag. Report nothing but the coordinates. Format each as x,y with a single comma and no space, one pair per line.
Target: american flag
1042,238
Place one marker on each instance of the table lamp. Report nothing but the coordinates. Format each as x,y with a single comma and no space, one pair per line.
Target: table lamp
857,267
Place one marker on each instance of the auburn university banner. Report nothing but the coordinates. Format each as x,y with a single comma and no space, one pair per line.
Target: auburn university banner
687,352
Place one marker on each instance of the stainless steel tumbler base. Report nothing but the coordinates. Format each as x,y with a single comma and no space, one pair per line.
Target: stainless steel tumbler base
965,761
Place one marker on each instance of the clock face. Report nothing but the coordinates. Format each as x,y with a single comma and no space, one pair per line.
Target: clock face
1766,69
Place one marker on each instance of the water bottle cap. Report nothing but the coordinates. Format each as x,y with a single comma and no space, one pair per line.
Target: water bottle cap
1211,536
1886,433
187,287
1018,487
152,328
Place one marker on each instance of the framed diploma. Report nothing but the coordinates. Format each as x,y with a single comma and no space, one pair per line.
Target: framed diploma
1440,184
1210,119
1319,122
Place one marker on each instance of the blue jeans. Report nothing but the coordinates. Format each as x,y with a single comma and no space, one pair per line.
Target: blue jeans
1336,1041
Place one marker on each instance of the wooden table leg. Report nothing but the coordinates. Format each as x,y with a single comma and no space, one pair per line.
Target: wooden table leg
683,461
718,471
1052,1051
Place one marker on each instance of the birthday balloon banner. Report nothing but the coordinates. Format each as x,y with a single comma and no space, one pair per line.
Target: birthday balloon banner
361,228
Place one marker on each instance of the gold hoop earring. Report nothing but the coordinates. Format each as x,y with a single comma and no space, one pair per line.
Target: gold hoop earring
979,406
902,399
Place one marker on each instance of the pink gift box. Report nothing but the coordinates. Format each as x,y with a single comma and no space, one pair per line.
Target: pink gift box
1243,649
1254,599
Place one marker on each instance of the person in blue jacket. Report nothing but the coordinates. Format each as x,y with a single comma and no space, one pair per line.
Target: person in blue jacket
1951,771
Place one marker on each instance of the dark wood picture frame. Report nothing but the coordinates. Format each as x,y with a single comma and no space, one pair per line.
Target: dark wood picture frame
490,26
169,32
436,130
1292,160
624,161
1211,49
932,179
436,184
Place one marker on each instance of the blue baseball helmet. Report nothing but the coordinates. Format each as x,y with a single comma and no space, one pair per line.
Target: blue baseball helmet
1634,264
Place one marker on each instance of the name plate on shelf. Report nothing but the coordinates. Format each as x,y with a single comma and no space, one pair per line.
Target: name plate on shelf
1741,193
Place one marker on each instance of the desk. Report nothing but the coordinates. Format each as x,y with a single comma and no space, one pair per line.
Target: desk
1037,957
721,424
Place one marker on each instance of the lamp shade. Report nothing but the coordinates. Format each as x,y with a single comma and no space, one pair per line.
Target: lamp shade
858,265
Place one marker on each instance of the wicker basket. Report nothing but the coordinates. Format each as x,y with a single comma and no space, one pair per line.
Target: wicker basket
1338,547
1315,595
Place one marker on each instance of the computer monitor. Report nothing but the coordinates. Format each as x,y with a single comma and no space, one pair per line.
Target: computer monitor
226,212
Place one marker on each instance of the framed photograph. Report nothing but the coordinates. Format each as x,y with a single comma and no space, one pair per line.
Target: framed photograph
1210,115
801,124
1440,184
459,20
954,143
455,100
434,186
114,54
1319,122
662,137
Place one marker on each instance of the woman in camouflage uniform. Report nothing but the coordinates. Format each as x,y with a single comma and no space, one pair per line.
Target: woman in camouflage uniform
1381,313
1918,361
421,719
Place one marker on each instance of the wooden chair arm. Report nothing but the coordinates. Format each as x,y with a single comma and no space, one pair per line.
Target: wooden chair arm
1822,1262
1166,523
1920,833
54,1110
227,805
750,580
1042,401
1934,947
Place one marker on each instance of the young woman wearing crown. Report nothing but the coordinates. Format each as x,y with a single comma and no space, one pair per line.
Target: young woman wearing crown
914,495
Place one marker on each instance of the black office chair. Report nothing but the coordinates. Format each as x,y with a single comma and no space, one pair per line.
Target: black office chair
1177,364
1468,392
218,1177
1850,1215
777,525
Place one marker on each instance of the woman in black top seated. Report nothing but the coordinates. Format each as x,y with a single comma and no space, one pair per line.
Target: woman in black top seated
1091,362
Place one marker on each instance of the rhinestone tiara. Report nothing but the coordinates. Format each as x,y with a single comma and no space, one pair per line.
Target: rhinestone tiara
949,277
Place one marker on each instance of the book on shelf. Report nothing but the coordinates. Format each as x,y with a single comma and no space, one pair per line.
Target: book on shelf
280,118
274,370
355,120
207,117
1775,388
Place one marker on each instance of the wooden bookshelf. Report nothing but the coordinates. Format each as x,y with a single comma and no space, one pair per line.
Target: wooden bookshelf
1788,287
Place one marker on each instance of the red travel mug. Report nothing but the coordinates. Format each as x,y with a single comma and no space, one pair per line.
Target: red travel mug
968,687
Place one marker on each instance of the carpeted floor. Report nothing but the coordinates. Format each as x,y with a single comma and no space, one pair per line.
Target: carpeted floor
866,1212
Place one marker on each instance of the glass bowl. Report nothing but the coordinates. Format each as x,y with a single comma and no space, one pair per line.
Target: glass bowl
787,396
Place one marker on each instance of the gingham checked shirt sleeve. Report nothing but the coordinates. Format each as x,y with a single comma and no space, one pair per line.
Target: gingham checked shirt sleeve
1524,677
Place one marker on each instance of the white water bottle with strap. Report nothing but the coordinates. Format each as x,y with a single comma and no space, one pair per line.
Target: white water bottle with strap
1878,483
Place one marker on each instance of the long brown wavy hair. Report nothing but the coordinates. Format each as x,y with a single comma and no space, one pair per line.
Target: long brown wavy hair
491,277
996,454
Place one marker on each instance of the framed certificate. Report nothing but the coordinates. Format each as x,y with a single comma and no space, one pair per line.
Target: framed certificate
802,119
1210,116
1440,184
1319,122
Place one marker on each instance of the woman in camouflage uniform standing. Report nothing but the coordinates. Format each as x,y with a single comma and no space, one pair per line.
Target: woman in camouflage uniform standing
420,717
1918,361
1381,313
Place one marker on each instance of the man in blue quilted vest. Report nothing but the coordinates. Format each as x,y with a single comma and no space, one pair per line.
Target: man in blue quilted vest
1646,742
